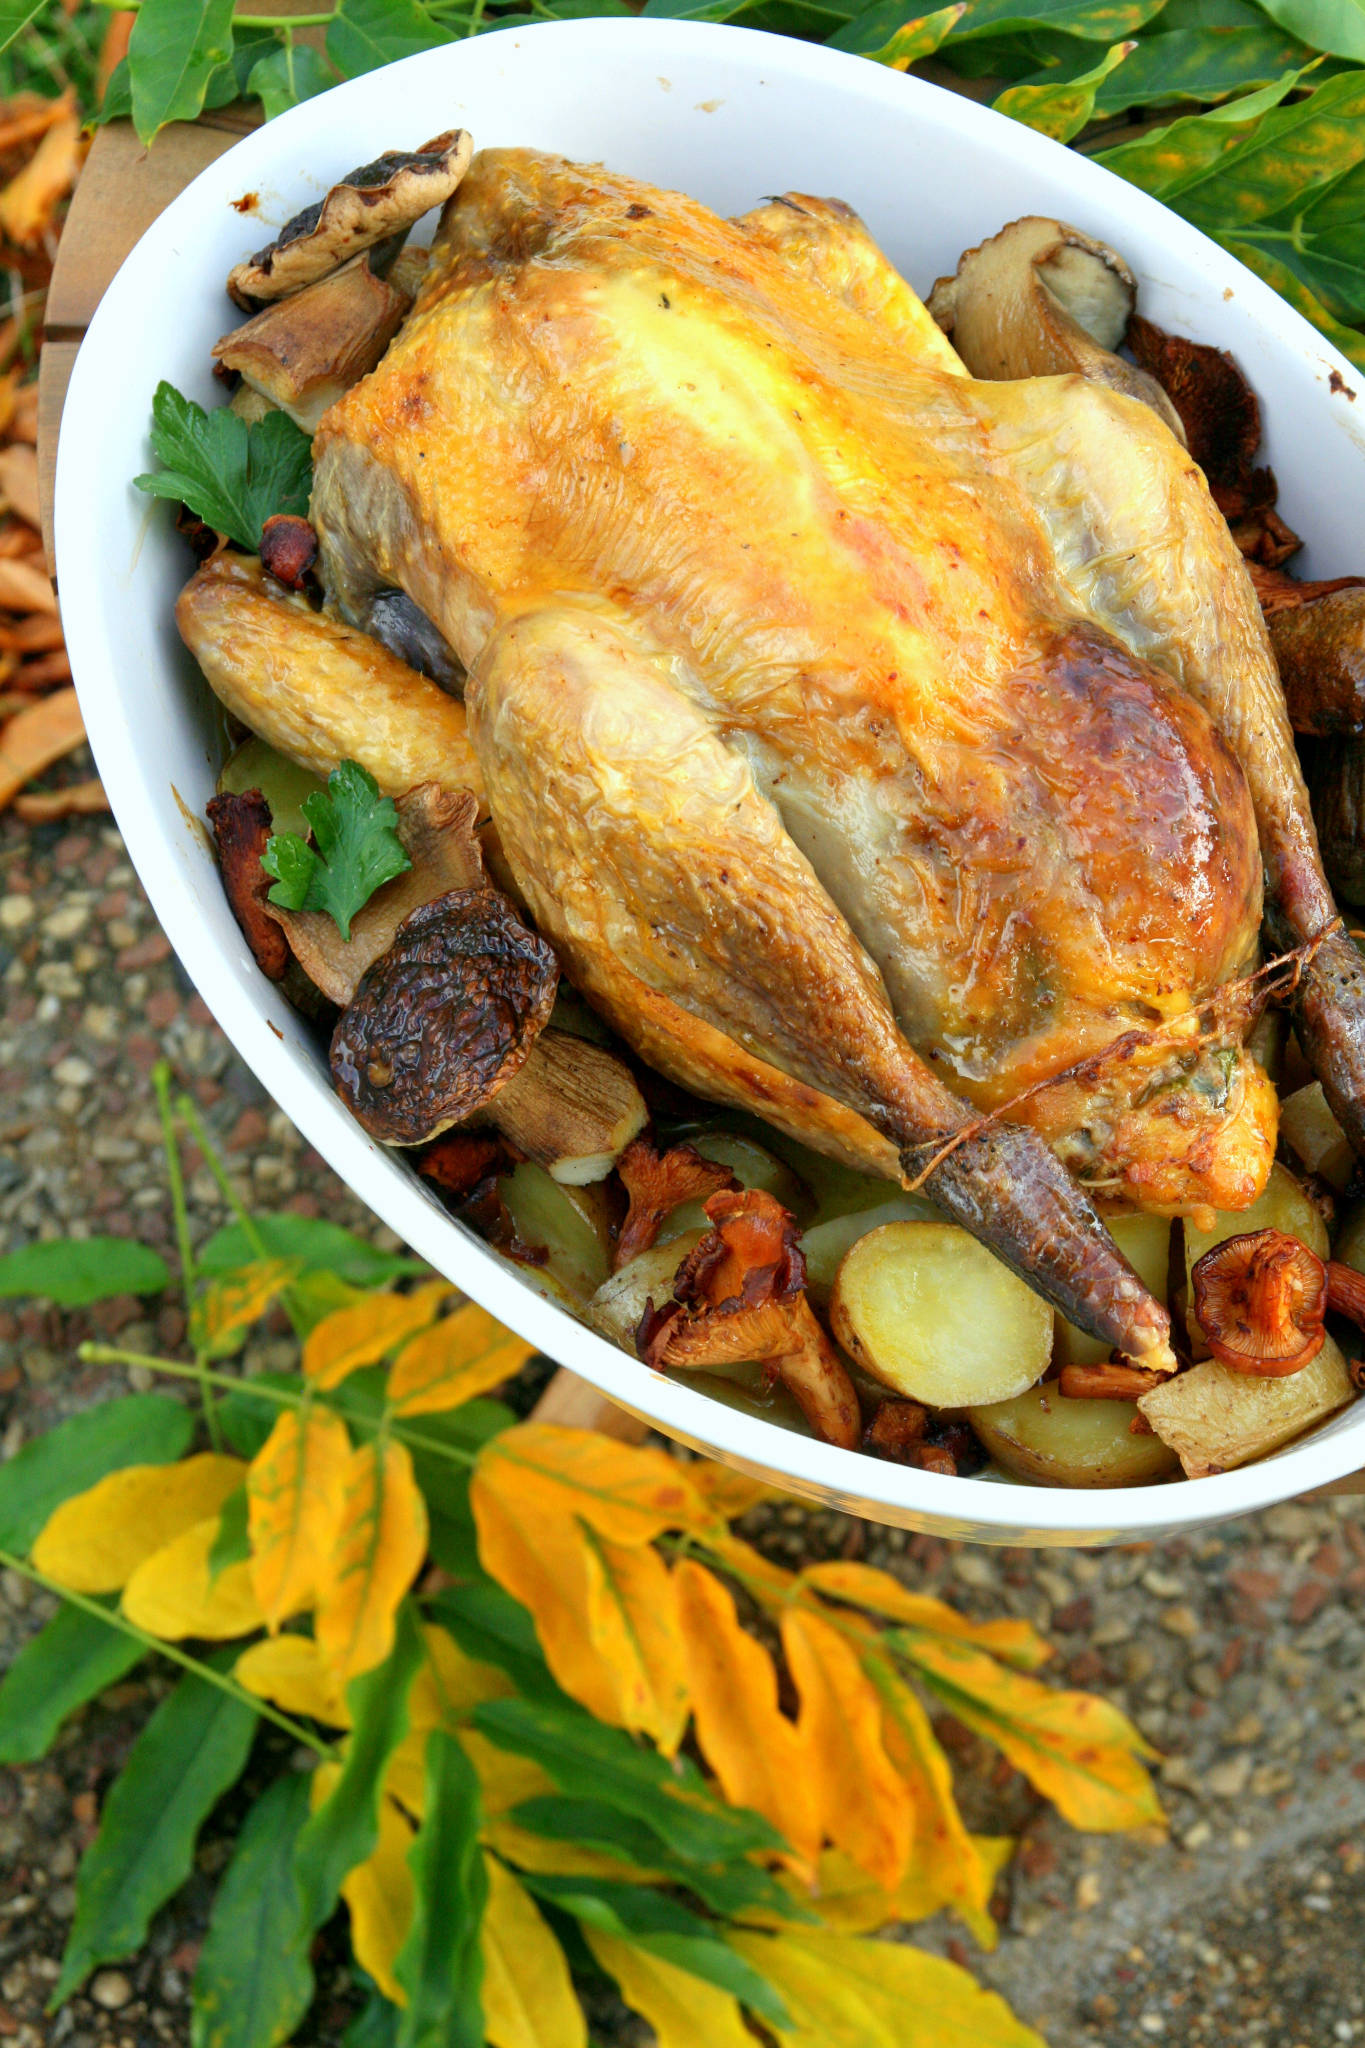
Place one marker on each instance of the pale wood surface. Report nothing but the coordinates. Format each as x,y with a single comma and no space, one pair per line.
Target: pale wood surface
122,190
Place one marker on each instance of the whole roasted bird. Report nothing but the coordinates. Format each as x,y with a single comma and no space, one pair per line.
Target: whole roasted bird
879,747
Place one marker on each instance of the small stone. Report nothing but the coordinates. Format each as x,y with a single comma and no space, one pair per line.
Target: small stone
1180,1621
973,1569
66,922
1151,2023
111,1989
1197,1836
1107,1634
120,933
1162,1585
15,912
1228,1779
1089,1891
73,1073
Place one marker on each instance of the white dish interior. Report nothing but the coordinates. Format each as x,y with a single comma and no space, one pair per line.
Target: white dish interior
729,115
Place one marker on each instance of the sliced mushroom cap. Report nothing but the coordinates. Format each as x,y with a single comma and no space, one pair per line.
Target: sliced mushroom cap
442,1019
1040,299
308,349
378,203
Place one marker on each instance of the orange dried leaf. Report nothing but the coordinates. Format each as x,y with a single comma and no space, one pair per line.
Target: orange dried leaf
363,1333
29,202
19,482
945,1864
463,1355
627,1493
865,1805
32,740
862,1585
755,1751
25,587
77,800
295,1489
174,1593
376,1553
95,1541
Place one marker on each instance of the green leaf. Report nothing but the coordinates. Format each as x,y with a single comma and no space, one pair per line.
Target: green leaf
1062,110
666,1928
356,849
67,1663
192,1749
363,34
230,475
175,48
15,17
1337,26
253,1982
1167,161
916,37
589,1760
733,1888
1203,64
376,2026
440,1965
291,73
1347,339
1098,21
76,1271
247,1416
140,1429
318,1245
492,1627
345,1827
232,1544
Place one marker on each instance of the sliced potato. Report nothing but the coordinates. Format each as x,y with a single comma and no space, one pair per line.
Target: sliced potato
617,1306
1282,1205
925,1309
567,1221
1040,1435
1315,1137
827,1244
1214,1419
1145,1242
282,782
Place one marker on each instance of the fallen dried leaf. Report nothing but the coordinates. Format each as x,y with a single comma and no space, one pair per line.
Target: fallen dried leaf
30,116
77,800
23,421
29,201
34,739
44,671
25,588
19,481
37,633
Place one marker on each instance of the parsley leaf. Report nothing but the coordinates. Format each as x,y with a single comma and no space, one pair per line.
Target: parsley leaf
230,475
356,849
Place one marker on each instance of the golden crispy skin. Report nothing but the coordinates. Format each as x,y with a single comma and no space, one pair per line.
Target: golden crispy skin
751,439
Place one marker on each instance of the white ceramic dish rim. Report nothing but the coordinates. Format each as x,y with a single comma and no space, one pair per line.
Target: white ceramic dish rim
970,1507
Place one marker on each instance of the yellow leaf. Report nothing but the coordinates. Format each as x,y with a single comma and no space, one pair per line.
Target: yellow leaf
684,2011
504,1779
294,1495
361,1335
844,1992
528,1996
450,1684
289,1670
730,1493
634,1627
864,1802
170,1594
376,1553
849,1902
542,1560
547,1858
464,1354
753,1748
238,1300
405,1774
765,1580
1079,1751
625,1492
865,1586
95,1541
380,1895
944,1861
918,1896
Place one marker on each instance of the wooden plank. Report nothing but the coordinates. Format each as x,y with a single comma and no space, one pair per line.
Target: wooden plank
573,1404
57,362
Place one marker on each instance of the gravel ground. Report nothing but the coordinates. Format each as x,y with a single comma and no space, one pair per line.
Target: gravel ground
1239,1652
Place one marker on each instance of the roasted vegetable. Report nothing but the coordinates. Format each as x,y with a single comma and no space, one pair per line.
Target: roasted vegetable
574,1108
444,1017
1314,1136
1284,1205
1214,1419
557,1222
282,782
1259,1300
618,1305
303,352
826,1245
926,1310
1042,1436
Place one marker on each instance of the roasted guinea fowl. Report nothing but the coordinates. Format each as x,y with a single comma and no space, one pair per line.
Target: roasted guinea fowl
876,745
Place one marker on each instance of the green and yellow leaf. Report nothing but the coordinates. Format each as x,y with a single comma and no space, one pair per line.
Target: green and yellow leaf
458,1358
379,1897
229,1305
846,1992
1063,108
292,1673
295,1492
174,1594
849,1902
528,1996
450,1683
376,1553
862,1585
753,1748
625,1492
684,2011
95,1542
864,1803
361,1335
944,1861
633,1622
544,1856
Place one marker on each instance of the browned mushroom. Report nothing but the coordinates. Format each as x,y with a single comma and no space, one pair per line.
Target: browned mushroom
377,204
444,1017
460,1162
1320,647
241,828
574,1109
1041,298
1107,1380
740,1294
896,1430
302,352
657,1182
289,548
1260,1299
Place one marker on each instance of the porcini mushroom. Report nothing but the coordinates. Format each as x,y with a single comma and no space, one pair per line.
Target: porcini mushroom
1041,298
377,204
740,1294
657,1182
1260,1299
302,352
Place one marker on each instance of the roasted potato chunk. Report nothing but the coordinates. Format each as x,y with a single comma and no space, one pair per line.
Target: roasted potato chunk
1042,1436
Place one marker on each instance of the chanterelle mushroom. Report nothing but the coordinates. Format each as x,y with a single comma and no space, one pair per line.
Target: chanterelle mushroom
1041,298
379,202
1260,1299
